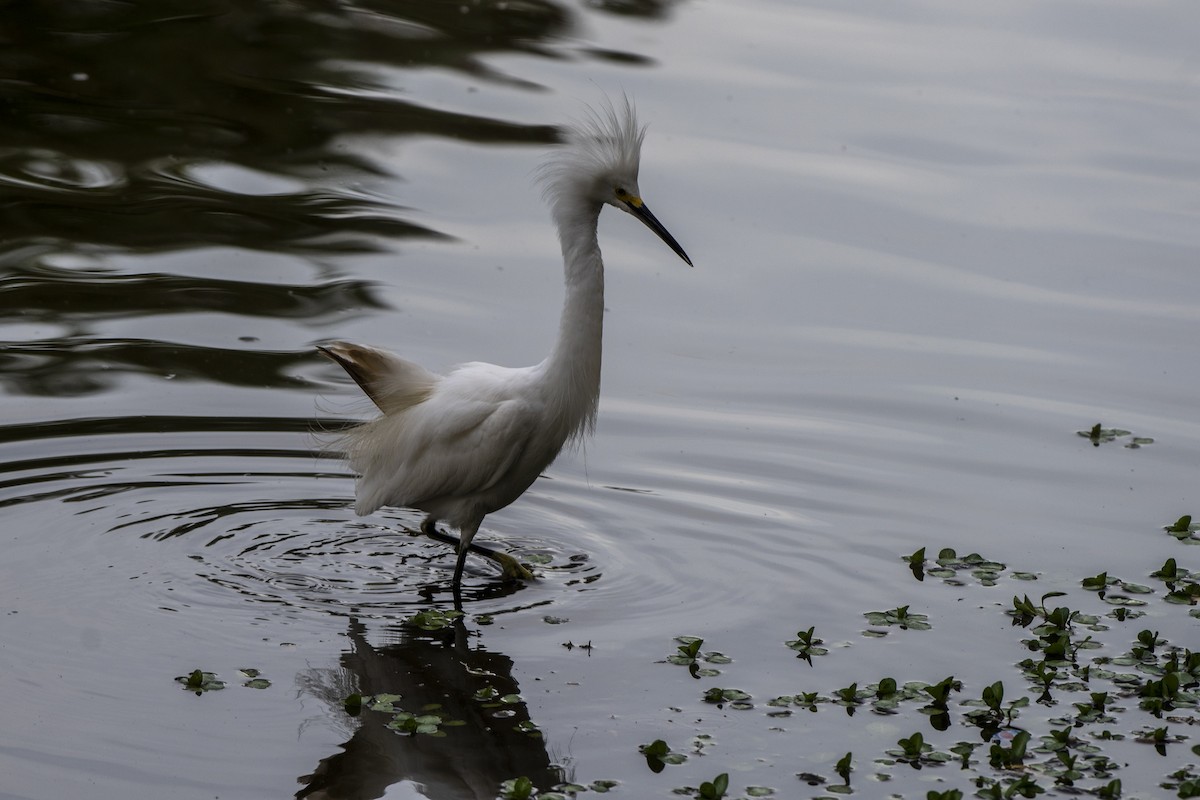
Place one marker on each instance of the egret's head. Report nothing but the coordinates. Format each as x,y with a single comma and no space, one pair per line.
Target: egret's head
599,165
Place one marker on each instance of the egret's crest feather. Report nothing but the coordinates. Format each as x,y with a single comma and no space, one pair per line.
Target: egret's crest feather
606,140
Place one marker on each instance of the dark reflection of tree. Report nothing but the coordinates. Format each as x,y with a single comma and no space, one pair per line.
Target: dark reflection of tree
55,295
425,668
146,126
73,366
141,90
651,9
77,362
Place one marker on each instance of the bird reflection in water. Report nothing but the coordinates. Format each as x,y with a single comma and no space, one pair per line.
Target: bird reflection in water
426,668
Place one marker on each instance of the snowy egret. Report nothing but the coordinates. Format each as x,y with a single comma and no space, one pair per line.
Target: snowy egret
462,445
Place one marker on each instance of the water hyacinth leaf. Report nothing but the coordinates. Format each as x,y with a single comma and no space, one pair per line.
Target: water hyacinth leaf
687,651
1169,572
714,789
1181,525
517,789
1101,435
434,619
899,617
199,681
658,755
844,767
383,702
916,563
1121,600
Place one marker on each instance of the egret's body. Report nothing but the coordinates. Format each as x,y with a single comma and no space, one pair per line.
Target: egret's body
462,445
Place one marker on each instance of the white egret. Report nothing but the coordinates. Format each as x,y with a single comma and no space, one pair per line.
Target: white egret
462,445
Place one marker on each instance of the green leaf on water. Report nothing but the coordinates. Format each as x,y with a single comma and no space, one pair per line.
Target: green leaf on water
1100,435
200,682
434,619
1181,525
899,617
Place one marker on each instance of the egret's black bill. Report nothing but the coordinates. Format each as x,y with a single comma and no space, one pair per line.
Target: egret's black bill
643,213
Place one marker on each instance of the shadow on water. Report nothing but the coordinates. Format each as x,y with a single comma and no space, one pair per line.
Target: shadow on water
437,671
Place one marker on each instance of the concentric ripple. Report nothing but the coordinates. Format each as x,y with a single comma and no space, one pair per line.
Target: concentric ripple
207,515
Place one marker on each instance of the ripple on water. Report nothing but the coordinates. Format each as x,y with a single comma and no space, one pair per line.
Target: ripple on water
257,518
50,170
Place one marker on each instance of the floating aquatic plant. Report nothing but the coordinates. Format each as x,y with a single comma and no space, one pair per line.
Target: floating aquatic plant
1099,435
658,755
434,619
807,646
688,654
200,682
900,618
1184,530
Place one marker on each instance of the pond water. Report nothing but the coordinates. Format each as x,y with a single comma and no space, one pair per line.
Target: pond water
932,242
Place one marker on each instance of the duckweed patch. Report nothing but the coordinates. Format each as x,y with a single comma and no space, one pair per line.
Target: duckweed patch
1051,725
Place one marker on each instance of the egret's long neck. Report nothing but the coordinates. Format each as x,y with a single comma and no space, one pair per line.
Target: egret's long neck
573,367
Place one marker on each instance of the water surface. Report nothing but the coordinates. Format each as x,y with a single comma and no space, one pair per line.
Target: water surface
932,242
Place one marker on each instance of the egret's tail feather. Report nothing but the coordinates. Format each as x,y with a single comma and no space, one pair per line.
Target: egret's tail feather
392,383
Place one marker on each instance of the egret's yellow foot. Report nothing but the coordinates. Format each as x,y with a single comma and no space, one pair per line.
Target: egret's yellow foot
510,568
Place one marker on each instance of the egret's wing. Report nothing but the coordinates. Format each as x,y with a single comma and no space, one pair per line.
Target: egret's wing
392,383
449,447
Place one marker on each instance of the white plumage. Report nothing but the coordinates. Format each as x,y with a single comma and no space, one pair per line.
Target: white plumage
462,445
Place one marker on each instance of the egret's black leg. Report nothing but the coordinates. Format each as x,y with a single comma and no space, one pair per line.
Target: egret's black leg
510,568
458,567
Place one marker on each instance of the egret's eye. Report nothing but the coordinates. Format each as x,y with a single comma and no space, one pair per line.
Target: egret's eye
621,193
